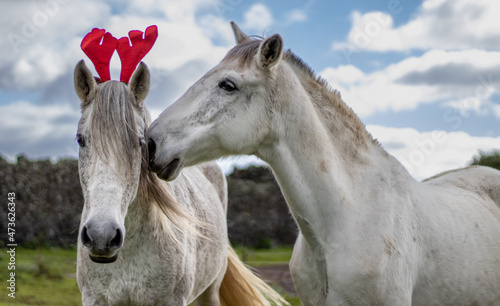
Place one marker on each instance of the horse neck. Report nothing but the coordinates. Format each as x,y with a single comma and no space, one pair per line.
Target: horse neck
326,163
144,218
139,219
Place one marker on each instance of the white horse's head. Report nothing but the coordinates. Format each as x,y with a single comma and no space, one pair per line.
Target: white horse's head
227,112
111,136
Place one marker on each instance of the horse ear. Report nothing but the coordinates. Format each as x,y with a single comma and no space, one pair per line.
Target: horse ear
85,83
238,34
270,51
139,85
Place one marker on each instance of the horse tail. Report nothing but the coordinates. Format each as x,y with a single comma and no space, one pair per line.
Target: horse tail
241,286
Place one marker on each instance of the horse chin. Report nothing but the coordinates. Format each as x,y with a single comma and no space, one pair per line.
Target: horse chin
171,170
102,259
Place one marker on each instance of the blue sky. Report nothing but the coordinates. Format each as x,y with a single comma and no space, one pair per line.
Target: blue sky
424,76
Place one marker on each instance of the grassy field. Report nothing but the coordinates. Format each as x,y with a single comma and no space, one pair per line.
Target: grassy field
278,255
43,277
47,276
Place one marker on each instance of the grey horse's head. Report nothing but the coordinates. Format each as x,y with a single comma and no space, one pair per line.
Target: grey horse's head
111,134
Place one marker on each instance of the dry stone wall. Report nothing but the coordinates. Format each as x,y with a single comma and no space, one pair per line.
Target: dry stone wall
49,202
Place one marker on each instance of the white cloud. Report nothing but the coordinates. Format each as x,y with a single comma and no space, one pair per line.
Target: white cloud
295,16
168,85
42,62
228,164
450,25
217,29
27,118
496,110
43,43
38,130
432,77
347,74
39,39
258,18
178,11
467,106
425,154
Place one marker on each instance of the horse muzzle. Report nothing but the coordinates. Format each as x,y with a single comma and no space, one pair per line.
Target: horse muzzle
165,171
102,240
171,170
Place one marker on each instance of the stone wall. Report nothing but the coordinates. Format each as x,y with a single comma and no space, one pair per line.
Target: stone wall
49,202
258,215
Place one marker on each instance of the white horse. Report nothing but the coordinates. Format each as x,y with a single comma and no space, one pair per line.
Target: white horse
369,233
162,243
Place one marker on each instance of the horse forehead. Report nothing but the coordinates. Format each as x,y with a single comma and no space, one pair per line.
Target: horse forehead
230,68
105,182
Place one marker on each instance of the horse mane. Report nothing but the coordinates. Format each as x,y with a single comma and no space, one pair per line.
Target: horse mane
244,53
113,134
112,126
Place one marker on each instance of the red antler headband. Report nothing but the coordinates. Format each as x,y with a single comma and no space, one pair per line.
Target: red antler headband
100,54
130,56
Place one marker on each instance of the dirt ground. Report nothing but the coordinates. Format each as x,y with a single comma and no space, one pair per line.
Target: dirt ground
278,274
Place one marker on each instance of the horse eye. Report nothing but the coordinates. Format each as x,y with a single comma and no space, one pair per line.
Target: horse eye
80,140
227,85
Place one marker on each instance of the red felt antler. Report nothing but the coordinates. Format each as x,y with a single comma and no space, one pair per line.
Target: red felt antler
100,54
130,56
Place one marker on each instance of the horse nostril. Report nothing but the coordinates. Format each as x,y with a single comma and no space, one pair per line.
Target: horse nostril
86,239
117,241
151,149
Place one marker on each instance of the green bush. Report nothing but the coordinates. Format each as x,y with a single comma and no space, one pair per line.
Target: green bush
489,159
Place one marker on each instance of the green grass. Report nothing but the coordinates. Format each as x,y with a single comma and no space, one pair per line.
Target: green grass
47,276
264,257
268,257
43,277
292,299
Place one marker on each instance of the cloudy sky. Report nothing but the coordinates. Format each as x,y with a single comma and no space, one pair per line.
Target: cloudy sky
424,76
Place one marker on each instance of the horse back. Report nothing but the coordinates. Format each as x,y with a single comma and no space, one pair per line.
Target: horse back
214,174
484,181
200,189
459,242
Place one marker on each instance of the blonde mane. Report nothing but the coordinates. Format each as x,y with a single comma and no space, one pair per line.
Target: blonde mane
327,100
113,127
